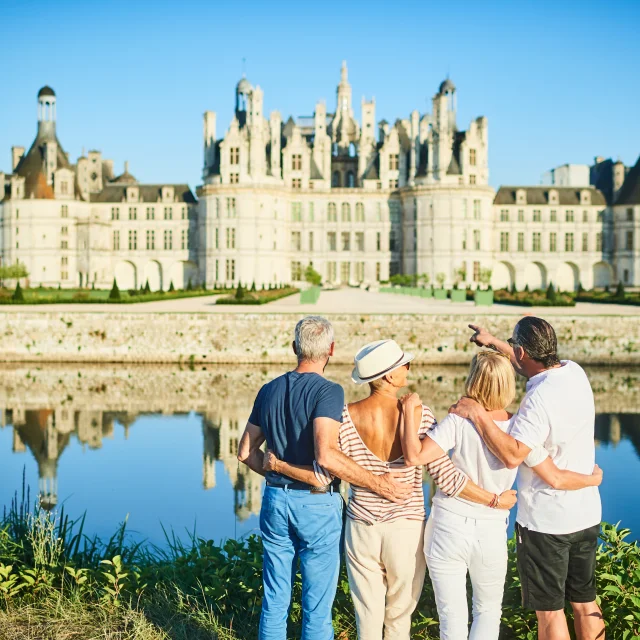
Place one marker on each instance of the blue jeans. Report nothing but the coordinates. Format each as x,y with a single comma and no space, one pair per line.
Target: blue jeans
299,524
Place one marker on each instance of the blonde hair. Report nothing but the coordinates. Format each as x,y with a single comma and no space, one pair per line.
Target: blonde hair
491,380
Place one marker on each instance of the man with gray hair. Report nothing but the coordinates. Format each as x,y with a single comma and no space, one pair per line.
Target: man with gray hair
299,415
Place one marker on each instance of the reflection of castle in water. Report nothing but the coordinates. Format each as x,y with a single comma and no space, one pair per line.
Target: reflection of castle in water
47,432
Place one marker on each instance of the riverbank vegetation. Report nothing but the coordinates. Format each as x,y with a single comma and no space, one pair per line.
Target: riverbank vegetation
56,582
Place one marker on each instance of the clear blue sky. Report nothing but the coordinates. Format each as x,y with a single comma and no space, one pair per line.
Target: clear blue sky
558,81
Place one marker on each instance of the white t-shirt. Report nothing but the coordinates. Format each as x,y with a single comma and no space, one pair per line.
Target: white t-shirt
472,457
558,413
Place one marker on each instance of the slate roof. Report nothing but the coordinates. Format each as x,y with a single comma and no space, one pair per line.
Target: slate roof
540,195
630,191
373,170
151,193
46,91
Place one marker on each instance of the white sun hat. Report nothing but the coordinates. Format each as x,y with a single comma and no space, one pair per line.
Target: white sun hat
376,359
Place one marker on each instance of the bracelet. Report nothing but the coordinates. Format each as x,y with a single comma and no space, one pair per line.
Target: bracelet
495,501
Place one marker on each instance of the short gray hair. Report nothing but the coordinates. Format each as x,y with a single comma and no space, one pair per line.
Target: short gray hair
314,337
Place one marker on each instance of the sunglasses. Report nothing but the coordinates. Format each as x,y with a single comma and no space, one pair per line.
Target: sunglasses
512,342
408,366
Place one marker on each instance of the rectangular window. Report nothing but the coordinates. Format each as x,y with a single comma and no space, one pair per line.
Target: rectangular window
234,155
133,239
183,213
585,242
185,239
472,157
378,212
64,188
217,234
629,244
331,271
585,216
598,241
230,269
296,271
345,241
64,261
310,240
64,231
464,240
231,207
378,241
553,215
151,239
64,244
234,178
537,215
472,179
296,241
151,213
296,211
359,212
231,238
476,271
359,271
359,241
378,271
393,162
64,211
296,183
393,184
64,275
553,241
168,239
168,213
629,214
332,212
296,162
477,210
520,215
217,271
520,241
133,213
395,212
504,241
476,239
536,241
116,240
345,212
393,241
569,217
568,242
345,272
504,215
311,213
331,240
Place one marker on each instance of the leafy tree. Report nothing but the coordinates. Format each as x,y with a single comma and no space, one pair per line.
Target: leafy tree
114,294
485,277
18,296
13,272
440,279
312,276
171,287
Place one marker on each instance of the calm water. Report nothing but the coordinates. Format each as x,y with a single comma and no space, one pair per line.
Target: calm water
157,445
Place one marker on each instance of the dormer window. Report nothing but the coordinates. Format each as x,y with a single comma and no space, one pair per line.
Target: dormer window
132,194
553,197
167,194
472,157
585,197
521,196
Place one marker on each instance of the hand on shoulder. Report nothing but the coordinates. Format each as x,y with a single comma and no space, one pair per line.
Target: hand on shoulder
410,402
467,408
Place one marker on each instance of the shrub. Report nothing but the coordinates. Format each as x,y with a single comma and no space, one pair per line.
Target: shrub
312,276
114,294
147,288
189,285
551,293
171,287
619,290
239,292
18,296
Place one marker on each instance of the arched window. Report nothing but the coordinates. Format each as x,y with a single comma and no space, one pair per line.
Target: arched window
332,212
335,179
351,181
359,212
352,150
346,212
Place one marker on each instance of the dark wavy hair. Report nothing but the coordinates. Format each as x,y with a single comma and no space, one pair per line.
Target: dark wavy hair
538,338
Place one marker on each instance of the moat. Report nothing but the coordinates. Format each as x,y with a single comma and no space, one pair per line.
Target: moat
156,444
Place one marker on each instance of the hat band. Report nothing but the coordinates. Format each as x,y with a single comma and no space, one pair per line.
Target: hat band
381,373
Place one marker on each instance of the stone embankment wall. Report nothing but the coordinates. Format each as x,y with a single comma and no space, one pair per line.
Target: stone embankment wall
266,338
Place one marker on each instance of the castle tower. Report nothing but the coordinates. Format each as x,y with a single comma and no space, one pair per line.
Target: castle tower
444,114
47,130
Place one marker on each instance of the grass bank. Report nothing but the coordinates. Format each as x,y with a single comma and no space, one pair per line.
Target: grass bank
56,582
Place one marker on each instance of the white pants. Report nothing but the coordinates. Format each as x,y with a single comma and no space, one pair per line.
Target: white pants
386,568
454,545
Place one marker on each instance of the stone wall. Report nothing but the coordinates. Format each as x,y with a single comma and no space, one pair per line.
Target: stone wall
266,338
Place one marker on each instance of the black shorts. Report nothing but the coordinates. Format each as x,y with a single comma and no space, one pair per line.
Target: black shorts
556,568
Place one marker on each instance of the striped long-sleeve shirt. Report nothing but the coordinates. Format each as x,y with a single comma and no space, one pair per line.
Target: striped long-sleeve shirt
366,506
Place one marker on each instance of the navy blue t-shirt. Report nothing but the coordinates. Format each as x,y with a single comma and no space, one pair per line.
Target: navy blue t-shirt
285,409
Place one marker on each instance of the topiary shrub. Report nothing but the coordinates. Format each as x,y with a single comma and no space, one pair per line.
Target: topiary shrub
114,294
147,288
239,292
551,293
189,285
18,296
619,290
171,287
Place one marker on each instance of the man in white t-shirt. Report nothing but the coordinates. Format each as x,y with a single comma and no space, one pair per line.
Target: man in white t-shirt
557,531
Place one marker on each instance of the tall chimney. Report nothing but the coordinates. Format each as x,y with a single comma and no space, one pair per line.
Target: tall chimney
16,156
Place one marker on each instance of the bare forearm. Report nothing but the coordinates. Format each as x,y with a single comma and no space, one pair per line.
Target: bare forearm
254,461
473,493
340,465
563,479
411,445
298,472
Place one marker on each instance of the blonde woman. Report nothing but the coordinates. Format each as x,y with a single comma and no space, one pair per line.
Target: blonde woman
461,536
384,540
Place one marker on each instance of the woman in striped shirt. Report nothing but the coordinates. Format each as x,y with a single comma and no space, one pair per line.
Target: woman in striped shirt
384,540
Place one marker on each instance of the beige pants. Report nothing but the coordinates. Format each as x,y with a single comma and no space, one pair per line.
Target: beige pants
386,568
